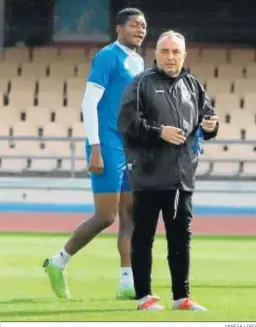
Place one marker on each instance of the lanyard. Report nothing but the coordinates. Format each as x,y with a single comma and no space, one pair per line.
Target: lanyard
197,146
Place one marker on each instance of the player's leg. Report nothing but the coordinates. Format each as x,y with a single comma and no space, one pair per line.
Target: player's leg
125,228
126,289
106,206
106,189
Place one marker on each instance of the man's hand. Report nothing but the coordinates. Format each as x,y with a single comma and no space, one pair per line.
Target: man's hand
209,125
173,135
96,164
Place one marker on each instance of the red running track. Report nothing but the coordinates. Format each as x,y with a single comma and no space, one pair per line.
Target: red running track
66,222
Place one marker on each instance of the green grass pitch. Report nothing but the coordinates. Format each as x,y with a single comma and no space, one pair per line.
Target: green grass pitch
222,278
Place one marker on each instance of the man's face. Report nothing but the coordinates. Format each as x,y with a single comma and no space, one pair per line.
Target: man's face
170,55
133,32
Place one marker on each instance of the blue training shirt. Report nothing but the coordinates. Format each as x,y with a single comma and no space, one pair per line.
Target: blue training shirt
113,68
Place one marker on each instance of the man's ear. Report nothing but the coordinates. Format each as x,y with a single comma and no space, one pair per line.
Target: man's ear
118,28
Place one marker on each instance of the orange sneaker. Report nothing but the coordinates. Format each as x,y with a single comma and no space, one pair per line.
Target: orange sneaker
187,304
150,303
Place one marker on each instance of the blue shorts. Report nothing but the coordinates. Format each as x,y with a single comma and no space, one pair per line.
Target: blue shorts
114,178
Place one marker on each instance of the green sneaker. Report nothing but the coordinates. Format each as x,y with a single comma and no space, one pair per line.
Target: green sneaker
57,279
126,294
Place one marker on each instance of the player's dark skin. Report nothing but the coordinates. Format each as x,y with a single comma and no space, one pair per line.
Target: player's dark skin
109,205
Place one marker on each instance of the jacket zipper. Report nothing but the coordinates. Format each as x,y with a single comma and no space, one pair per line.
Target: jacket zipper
172,89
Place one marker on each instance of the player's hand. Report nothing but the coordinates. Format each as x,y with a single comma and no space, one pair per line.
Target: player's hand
173,135
209,123
96,164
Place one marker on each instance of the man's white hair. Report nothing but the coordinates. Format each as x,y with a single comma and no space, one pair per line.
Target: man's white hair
172,35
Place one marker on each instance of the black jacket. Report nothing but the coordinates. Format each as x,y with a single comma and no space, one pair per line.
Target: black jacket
151,100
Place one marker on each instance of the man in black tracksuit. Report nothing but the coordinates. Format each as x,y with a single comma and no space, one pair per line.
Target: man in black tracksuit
161,113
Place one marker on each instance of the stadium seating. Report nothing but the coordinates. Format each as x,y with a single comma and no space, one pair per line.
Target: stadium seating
41,91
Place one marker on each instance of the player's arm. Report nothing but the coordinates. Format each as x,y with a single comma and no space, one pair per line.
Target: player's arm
98,79
92,96
132,121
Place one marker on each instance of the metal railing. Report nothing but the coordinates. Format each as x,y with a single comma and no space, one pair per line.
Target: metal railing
42,140
73,158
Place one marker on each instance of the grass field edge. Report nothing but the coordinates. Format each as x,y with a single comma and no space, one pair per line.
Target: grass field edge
111,235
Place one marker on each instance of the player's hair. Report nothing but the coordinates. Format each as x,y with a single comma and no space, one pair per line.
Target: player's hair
124,15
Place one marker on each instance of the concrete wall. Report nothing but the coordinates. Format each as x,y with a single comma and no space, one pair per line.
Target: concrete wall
212,195
60,205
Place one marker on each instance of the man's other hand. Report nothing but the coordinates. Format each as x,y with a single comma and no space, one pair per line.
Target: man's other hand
209,125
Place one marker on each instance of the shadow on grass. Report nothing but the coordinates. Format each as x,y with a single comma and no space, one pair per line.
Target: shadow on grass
39,301
42,313
217,286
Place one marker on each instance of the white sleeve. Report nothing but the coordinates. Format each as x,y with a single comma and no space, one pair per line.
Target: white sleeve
93,94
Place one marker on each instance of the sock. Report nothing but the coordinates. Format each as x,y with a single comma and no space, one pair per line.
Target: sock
61,259
126,277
